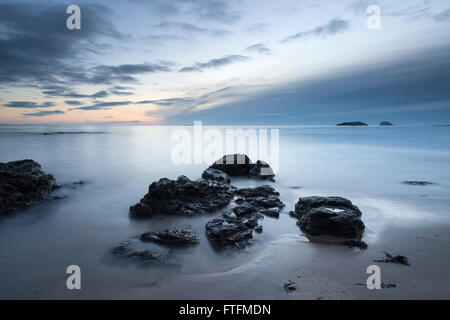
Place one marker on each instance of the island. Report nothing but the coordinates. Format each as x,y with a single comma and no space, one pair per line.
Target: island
353,124
385,123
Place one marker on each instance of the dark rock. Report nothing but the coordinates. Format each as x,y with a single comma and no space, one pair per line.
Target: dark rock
216,175
418,183
233,164
388,285
352,124
262,170
290,286
389,258
259,229
237,165
23,183
355,244
176,237
126,250
329,216
77,184
183,197
263,199
244,210
272,212
385,123
229,232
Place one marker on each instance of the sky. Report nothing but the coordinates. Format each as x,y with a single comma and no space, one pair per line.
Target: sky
225,62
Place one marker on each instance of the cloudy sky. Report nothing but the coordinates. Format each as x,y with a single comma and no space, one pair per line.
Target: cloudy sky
284,62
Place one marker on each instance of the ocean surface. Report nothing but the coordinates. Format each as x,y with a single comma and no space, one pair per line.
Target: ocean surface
117,163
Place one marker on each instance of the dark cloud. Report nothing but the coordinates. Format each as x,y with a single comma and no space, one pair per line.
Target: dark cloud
60,91
260,48
333,27
73,103
121,93
104,105
28,104
43,113
215,63
35,44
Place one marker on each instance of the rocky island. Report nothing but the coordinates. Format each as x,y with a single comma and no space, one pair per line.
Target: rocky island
352,124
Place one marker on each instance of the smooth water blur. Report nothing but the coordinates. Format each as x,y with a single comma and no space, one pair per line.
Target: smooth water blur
117,164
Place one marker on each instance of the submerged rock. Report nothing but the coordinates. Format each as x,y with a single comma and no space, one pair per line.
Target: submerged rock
385,123
23,183
290,286
183,197
389,258
216,175
237,165
176,237
352,124
127,250
329,216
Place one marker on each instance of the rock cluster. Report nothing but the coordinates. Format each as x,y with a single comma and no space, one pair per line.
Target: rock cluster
239,165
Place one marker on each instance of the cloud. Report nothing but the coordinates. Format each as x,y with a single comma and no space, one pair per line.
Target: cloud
216,10
443,16
35,45
166,102
28,104
104,105
333,27
121,93
215,63
43,113
73,103
60,91
260,48
191,29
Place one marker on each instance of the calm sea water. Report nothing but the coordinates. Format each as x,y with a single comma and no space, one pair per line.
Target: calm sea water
117,164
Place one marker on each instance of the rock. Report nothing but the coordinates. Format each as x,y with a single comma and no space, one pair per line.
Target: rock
355,244
389,258
244,210
229,232
259,229
352,124
76,184
216,175
418,183
264,199
388,285
23,183
126,250
262,170
176,237
290,286
233,164
183,197
329,216
237,165
272,212
385,123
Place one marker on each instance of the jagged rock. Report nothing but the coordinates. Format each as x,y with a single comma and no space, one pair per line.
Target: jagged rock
329,216
243,210
264,199
290,286
389,258
259,229
23,183
229,231
355,244
176,237
352,124
216,175
385,123
237,165
183,197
